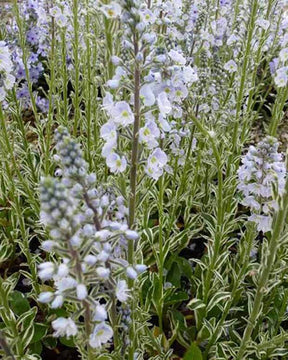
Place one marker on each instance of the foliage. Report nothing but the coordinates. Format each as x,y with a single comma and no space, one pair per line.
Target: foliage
143,181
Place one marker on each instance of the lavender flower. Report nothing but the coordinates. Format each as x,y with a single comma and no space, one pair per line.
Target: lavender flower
263,169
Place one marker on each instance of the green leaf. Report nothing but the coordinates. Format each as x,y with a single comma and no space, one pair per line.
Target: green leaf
19,303
174,275
176,298
27,319
195,304
40,331
67,341
194,353
36,348
50,342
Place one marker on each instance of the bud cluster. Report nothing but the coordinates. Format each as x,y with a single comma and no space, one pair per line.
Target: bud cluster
89,234
261,178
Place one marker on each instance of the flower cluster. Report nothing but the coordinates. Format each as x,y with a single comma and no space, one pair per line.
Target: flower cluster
279,65
34,16
89,233
165,78
7,80
261,177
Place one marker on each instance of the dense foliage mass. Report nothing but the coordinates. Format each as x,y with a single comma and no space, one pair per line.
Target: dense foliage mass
143,179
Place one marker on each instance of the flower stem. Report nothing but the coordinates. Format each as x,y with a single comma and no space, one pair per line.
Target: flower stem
265,270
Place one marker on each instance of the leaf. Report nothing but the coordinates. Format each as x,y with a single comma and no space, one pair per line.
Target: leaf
195,304
174,275
40,331
194,353
36,348
19,303
27,319
50,342
67,341
176,298
217,298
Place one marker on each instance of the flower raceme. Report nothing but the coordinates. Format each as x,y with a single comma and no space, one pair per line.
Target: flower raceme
165,77
89,234
262,174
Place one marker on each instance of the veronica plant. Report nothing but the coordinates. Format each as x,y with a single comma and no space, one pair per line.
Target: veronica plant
89,233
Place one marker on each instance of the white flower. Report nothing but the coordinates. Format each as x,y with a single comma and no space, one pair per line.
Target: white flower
116,163
9,81
90,259
284,55
102,333
64,327
122,114
148,17
46,270
164,104
100,313
65,283
131,273
140,268
57,302
48,245
230,66
157,159
103,272
112,10
189,75
108,102
122,291
164,124
149,133
81,291
113,83
281,77
115,60
155,164
46,297
264,222
177,57
131,234
147,95
63,270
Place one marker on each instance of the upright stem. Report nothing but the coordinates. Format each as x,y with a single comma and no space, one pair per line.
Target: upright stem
135,149
220,217
161,250
76,67
85,303
266,268
133,175
51,92
243,262
65,78
88,88
247,57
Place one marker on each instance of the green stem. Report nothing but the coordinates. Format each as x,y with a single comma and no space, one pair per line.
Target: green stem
161,250
247,57
64,77
76,102
47,160
244,262
220,215
265,271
